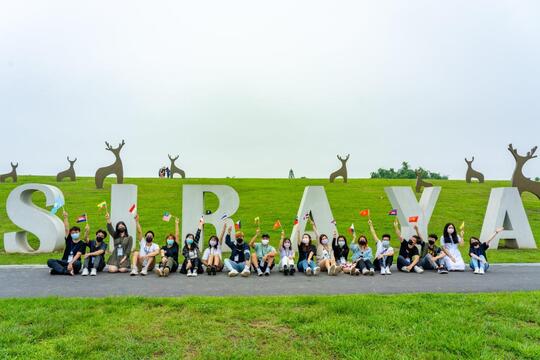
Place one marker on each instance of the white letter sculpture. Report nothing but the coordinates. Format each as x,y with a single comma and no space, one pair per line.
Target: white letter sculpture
48,228
315,201
122,198
193,209
505,209
404,200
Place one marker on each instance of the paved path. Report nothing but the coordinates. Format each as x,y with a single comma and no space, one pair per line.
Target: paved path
36,282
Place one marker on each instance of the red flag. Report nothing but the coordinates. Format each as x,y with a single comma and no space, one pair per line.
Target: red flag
351,229
295,221
364,212
413,219
237,225
277,224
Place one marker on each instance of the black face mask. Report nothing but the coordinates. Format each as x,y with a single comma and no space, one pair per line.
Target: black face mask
475,244
99,239
431,242
362,243
149,239
240,241
410,242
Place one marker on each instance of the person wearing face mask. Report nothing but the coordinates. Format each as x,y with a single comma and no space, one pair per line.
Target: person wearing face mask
409,256
450,243
384,255
262,258
212,256
362,257
95,259
477,252
325,254
169,252
286,252
192,265
122,245
431,256
341,252
306,254
239,261
144,260
70,264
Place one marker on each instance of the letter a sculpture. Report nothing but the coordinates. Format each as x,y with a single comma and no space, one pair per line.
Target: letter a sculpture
420,183
342,171
175,169
115,169
519,180
10,175
473,174
69,173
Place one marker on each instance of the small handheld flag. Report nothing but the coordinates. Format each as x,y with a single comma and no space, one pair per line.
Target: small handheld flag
277,224
462,226
257,220
393,212
295,221
58,203
306,216
238,225
364,213
133,209
311,215
224,216
413,219
82,218
102,205
167,216
334,222
351,229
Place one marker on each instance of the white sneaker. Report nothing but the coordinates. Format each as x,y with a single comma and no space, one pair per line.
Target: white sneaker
144,271
308,271
259,272
316,271
476,271
405,269
246,272
233,273
481,271
93,272
364,271
85,272
418,270
194,274
134,272
388,272
189,273
333,270
383,271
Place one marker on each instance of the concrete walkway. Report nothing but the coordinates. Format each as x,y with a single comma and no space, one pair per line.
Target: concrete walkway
23,281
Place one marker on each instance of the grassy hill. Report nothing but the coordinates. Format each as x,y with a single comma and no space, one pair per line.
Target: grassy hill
271,199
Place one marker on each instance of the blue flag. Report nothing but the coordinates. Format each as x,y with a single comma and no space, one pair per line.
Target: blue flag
58,203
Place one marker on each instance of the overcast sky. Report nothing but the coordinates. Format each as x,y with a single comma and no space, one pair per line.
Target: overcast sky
251,88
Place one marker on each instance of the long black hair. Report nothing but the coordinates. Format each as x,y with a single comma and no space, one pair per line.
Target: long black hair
305,247
121,223
450,238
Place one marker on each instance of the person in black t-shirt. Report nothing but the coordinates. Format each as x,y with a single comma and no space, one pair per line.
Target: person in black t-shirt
409,256
169,252
477,252
70,264
95,259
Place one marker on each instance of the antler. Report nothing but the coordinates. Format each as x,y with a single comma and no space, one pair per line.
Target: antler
530,154
14,166
109,147
121,144
513,151
71,161
347,158
173,159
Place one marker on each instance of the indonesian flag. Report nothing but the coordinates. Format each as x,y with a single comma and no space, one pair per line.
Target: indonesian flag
133,209
413,219
351,229
277,224
237,225
364,213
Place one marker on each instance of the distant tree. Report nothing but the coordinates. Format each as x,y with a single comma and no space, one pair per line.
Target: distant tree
406,172
537,178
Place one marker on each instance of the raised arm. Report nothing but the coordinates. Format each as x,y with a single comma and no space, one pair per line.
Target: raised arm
398,230
497,231
110,228
139,228
66,223
372,230
228,239
199,230
281,239
87,233
254,238
222,233
317,235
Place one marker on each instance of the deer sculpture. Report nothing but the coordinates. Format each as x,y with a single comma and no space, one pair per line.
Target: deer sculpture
473,174
175,169
342,171
69,173
10,175
115,168
420,183
519,180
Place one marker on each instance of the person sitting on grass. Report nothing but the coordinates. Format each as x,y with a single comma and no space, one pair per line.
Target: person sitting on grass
287,254
362,257
192,265
431,256
263,257
144,260
306,255
169,252
384,255
409,256
325,254
70,264
95,259
477,252
122,246
239,262
212,257
450,243
341,253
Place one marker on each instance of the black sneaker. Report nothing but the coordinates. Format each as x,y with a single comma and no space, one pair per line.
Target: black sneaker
209,270
285,270
442,271
214,270
292,271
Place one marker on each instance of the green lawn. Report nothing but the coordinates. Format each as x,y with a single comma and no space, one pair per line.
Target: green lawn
428,326
279,198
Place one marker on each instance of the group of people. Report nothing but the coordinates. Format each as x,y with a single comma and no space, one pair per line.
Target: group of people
259,257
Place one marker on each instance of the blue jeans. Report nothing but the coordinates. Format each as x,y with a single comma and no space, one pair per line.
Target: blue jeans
232,265
477,264
303,265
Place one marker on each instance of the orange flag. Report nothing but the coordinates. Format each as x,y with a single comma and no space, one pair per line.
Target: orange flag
277,224
364,212
413,219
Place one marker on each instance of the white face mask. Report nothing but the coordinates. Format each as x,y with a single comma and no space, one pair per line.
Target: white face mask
213,242
324,241
450,230
305,240
286,245
265,241
385,244
341,243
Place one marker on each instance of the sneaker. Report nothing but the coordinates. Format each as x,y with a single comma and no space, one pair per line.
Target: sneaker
356,272
404,269
388,272
214,270
316,271
134,272
166,272
308,271
371,272
232,273
481,271
246,272
292,271
285,270
85,272
333,270
209,270
144,271
267,272
194,274
259,272
476,270
365,271
158,271
443,271
93,272
418,269
383,271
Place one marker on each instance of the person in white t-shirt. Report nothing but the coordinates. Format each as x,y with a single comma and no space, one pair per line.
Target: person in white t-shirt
144,259
212,258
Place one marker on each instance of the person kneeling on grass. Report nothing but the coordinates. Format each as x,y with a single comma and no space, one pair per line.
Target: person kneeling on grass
95,259
362,257
240,255
212,257
384,256
70,264
263,257
477,252
192,265
144,260
409,256
122,245
286,253
169,252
